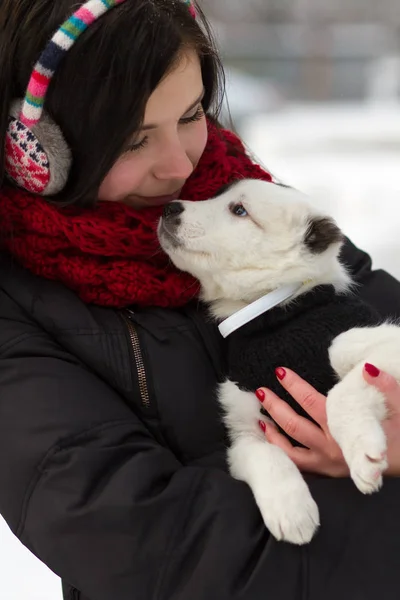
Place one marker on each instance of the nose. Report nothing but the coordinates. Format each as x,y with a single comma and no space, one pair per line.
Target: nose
174,162
171,210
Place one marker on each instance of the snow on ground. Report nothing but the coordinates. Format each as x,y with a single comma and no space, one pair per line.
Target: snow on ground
22,575
347,158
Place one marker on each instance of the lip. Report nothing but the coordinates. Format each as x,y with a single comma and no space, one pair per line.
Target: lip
159,200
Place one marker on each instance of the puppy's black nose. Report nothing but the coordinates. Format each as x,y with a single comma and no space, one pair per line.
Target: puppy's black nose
172,209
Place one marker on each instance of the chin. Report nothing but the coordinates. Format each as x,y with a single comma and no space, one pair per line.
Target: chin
133,202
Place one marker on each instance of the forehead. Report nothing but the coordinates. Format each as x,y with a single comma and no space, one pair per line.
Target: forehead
176,91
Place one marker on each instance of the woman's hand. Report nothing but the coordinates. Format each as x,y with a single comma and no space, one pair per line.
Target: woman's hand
322,455
390,388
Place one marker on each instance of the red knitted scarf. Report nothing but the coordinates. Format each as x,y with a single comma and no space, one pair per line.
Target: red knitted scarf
109,255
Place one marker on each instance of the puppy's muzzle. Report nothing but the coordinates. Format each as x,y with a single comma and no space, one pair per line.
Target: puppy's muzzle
171,221
172,210
171,216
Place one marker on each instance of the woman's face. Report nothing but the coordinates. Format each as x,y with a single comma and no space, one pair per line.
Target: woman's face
164,153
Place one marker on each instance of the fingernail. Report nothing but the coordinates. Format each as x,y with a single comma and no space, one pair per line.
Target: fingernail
371,370
262,426
280,373
260,395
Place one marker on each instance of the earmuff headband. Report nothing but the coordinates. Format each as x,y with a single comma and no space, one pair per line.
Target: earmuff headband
57,48
191,8
53,54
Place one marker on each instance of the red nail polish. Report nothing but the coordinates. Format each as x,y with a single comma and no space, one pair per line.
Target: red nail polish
280,373
262,425
371,370
260,395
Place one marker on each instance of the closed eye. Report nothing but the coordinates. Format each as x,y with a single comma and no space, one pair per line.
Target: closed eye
196,116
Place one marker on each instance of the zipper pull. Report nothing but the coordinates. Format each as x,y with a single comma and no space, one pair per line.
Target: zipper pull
153,330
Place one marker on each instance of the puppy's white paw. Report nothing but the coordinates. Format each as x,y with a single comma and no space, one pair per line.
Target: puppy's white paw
281,494
355,412
367,460
291,517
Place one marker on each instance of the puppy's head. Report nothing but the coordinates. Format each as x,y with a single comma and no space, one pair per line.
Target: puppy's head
253,237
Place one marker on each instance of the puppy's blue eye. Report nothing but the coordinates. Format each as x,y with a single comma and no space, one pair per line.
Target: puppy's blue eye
239,210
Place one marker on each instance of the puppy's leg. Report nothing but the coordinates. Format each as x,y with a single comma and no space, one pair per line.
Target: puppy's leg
355,412
282,495
356,409
356,345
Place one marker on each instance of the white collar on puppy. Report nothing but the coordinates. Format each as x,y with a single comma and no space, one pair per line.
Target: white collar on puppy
257,308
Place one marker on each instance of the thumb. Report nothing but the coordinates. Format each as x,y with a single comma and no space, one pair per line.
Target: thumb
384,382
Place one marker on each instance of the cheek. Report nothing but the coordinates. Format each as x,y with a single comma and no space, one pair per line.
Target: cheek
196,140
122,180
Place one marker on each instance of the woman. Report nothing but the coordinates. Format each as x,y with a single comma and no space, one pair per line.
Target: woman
112,466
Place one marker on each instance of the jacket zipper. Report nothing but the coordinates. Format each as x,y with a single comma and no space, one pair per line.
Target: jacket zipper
137,353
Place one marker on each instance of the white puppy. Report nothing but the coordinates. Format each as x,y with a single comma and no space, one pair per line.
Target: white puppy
253,240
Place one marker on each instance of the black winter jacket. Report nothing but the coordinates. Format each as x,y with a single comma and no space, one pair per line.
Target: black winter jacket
112,461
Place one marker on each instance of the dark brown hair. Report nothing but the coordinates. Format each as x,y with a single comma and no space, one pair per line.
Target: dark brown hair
99,93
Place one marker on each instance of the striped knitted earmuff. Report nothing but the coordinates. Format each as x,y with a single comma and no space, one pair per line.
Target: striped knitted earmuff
38,158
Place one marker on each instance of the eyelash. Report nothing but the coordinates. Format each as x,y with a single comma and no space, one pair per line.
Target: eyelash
196,117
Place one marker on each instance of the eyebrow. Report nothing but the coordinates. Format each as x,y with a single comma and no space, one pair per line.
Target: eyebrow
191,107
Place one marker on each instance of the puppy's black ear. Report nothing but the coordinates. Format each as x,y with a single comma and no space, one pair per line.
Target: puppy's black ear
321,233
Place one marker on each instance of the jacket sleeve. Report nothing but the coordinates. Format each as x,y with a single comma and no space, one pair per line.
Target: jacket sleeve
377,287
88,490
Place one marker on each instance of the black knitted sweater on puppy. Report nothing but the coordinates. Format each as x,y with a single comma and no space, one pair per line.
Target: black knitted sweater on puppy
298,336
